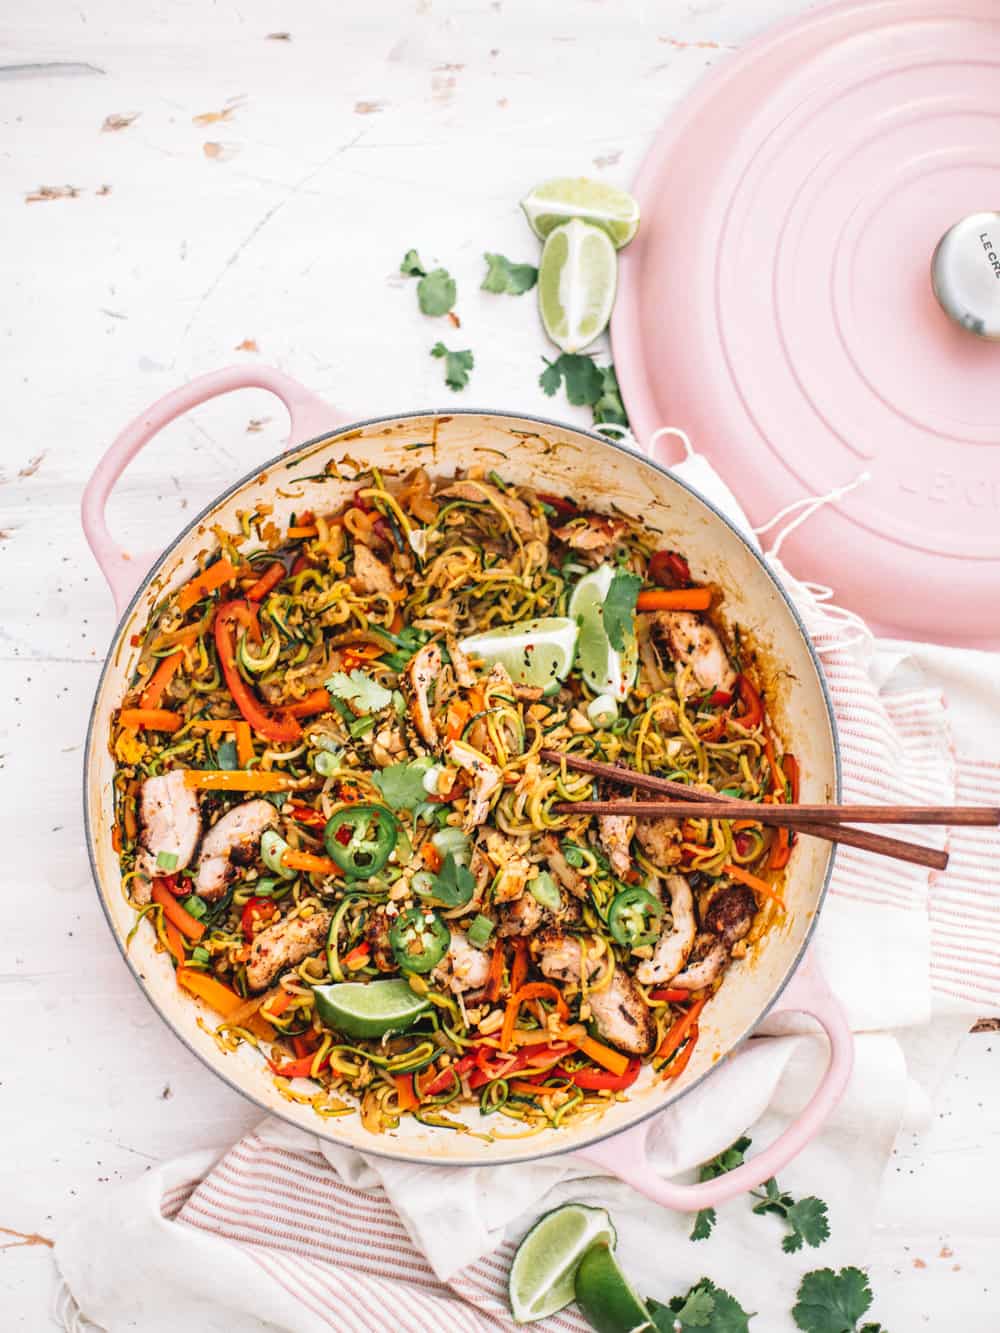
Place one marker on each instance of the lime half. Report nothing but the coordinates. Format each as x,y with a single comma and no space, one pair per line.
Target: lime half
550,205
606,1297
577,280
606,671
542,1275
369,1010
535,652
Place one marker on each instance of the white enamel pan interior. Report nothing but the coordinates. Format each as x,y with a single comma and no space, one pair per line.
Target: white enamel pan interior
596,473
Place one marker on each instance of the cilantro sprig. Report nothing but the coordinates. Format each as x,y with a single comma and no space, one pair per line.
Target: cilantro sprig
619,608
830,1302
705,1307
364,694
402,785
807,1218
457,365
436,290
505,277
727,1160
587,385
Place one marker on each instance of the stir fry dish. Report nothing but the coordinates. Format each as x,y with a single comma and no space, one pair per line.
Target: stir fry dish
333,810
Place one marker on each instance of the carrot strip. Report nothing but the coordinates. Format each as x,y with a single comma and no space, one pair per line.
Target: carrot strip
244,744
674,599
308,861
175,941
116,837
202,584
271,577
172,910
457,716
299,530
316,701
277,1005
406,1098
233,779
159,680
680,1030
535,990
678,1066
150,719
519,970
754,882
602,1055
525,1088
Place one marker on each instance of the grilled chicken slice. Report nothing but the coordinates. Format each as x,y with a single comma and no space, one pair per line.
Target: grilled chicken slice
674,945
563,873
464,967
731,912
621,1014
171,823
616,833
283,945
690,641
525,915
482,492
594,535
707,968
657,839
232,842
420,674
486,778
464,674
370,576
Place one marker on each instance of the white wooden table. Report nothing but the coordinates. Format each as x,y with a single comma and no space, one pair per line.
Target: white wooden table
340,136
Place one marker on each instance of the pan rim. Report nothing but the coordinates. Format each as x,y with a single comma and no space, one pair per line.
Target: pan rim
322,1130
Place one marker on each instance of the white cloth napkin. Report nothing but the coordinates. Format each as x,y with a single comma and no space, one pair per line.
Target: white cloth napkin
284,1231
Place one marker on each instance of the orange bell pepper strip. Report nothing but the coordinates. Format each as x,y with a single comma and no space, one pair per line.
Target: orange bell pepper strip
235,779
273,726
175,942
754,882
455,720
152,695
223,1000
674,599
406,1097
173,912
150,719
270,578
602,1055
535,990
680,1030
310,863
204,583
277,1004
300,530
316,701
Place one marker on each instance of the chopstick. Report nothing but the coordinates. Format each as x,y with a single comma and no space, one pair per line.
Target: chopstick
793,816
897,849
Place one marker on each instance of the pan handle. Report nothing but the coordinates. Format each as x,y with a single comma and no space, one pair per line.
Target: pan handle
309,415
624,1155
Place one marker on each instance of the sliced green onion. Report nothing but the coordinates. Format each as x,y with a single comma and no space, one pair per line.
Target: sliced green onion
264,888
451,839
423,883
431,778
194,906
361,724
166,861
480,931
200,955
326,763
272,848
544,890
603,710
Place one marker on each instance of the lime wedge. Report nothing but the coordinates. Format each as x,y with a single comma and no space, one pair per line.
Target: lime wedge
535,652
577,279
606,1297
550,205
544,1267
369,1010
606,671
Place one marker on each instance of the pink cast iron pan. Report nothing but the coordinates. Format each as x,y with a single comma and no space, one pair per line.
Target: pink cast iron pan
777,302
594,471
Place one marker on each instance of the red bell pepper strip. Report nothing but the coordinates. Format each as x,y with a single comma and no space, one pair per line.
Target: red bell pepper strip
294,1069
563,507
680,1030
669,995
271,725
753,706
669,569
593,1080
271,577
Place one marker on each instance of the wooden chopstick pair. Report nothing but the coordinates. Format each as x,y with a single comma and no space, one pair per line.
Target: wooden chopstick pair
818,821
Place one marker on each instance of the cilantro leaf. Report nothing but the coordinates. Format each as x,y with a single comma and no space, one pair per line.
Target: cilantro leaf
366,695
727,1160
583,379
830,1302
456,365
402,785
619,608
609,408
436,292
411,266
454,883
807,1218
503,276
705,1306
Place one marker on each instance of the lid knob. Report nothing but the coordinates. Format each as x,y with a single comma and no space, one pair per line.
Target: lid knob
965,274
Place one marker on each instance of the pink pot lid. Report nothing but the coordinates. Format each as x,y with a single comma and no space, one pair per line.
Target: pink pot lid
777,302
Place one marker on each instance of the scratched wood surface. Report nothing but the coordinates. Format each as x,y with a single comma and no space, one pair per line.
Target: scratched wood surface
185,186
